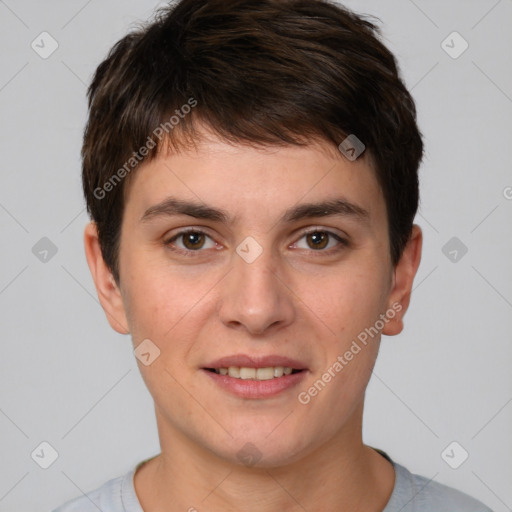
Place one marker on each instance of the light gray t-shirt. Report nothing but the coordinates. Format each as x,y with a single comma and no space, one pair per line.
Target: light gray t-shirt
411,493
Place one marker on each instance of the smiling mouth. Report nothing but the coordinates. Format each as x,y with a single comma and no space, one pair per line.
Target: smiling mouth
245,373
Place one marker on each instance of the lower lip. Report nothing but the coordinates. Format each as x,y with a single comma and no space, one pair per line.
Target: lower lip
248,388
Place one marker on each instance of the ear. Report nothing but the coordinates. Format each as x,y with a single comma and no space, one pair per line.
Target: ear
405,271
106,287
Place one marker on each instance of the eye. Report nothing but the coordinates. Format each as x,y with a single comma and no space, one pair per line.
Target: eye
193,241
318,240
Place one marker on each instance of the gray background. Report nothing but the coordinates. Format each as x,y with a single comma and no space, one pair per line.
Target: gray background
68,379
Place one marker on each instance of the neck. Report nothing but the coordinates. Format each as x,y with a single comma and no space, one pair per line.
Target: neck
344,475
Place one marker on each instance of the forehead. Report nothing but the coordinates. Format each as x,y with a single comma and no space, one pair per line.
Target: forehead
233,181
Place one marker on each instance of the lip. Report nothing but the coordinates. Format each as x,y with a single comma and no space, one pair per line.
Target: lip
247,361
254,389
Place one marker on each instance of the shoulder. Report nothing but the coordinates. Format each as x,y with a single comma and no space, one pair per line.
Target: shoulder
107,498
419,494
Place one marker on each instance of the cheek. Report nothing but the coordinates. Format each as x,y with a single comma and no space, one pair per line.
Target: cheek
149,307
357,300
348,301
169,306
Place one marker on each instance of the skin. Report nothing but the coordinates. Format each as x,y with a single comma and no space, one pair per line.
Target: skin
293,300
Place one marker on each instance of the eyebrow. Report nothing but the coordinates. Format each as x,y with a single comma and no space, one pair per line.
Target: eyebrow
172,206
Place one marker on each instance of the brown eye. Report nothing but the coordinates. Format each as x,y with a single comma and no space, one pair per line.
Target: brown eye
189,243
193,240
318,239
322,242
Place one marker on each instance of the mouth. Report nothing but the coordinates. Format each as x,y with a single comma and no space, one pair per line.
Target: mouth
258,374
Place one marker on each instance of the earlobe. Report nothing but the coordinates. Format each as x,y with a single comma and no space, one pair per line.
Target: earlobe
108,292
401,290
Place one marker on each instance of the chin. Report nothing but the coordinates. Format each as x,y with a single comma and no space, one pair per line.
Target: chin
256,448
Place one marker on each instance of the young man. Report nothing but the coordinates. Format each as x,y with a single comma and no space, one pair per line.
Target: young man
250,167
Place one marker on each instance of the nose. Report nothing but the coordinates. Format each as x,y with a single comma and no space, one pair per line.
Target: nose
256,296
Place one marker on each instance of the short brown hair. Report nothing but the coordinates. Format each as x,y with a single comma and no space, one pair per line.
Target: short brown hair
259,72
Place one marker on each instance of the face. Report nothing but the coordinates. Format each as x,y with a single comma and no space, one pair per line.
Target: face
260,278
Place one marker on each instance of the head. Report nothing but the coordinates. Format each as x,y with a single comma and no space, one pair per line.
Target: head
240,107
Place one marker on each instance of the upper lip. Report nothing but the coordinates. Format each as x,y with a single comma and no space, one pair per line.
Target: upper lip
247,361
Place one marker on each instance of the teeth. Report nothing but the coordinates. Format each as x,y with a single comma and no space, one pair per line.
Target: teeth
278,371
233,371
265,373
245,373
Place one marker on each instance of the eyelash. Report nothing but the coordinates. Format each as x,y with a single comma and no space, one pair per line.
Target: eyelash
190,253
